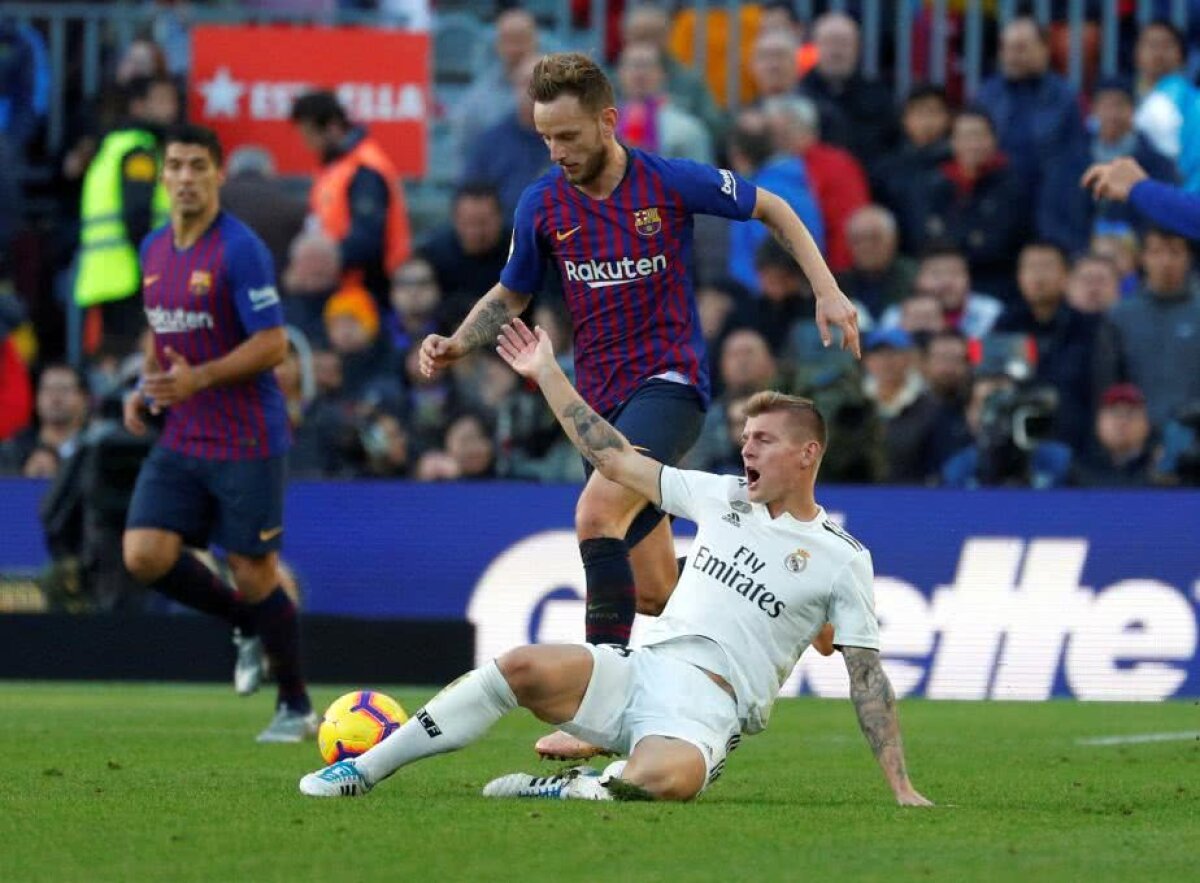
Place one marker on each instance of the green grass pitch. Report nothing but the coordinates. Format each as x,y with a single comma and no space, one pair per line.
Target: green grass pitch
106,782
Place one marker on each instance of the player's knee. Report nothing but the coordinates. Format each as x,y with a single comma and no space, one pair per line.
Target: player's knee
253,577
144,561
520,668
593,521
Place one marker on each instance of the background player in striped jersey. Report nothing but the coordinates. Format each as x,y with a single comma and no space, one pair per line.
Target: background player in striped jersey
617,222
217,472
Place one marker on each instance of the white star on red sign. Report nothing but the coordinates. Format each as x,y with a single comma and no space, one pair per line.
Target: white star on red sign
222,94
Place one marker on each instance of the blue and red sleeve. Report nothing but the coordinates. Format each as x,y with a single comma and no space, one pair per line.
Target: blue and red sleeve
527,255
706,190
251,276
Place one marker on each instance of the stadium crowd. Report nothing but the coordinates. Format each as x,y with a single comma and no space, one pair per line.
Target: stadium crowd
1017,332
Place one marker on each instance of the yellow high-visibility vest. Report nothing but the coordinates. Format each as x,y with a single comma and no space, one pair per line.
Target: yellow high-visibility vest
108,261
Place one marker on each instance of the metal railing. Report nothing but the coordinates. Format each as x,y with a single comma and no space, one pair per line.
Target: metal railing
79,36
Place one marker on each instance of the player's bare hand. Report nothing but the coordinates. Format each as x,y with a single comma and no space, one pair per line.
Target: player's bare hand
911,797
1113,180
439,353
177,384
835,309
134,403
527,352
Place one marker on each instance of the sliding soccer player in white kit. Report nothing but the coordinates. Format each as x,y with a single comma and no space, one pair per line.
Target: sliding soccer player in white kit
767,569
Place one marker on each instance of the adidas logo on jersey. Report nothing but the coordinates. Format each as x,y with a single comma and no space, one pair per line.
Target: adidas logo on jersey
732,518
603,274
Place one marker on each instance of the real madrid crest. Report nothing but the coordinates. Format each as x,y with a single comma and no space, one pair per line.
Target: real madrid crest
647,222
797,561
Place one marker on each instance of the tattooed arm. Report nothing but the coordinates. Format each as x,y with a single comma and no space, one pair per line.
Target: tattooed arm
833,307
531,355
875,703
479,329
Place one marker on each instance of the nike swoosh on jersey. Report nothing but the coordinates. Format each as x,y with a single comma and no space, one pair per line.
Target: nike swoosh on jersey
265,535
567,234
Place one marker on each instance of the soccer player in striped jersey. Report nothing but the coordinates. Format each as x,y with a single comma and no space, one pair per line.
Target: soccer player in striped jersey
217,472
617,222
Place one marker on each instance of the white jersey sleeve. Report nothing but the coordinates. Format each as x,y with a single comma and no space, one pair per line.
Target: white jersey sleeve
690,494
852,604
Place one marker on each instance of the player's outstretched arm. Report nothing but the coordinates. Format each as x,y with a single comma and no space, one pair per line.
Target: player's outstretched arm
875,703
833,307
531,355
479,329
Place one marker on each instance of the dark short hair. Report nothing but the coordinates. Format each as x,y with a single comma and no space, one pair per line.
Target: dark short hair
319,108
191,133
571,73
1168,26
945,334
942,248
76,374
1046,245
976,112
477,190
138,88
925,92
1161,233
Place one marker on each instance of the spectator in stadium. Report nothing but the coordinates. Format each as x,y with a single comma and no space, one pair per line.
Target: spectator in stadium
491,96
1121,453
856,111
897,178
369,374
469,442
785,298
747,365
319,431
921,315
834,175
428,405
649,23
509,154
18,113
16,392
253,193
977,201
122,201
356,198
1115,137
946,368
416,305
909,413
753,155
781,16
943,272
1157,329
1094,286
879,276
1040,129
773,65
648,117
1119,244
994,459
468,254
1167,111
1065,339
61,412
312,274
385,442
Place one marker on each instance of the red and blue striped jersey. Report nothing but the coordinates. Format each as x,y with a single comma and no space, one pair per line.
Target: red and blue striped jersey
203,301
625,264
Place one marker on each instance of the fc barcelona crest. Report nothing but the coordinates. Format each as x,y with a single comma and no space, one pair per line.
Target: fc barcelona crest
646,221
200,283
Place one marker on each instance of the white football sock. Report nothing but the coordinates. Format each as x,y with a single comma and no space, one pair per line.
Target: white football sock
455,717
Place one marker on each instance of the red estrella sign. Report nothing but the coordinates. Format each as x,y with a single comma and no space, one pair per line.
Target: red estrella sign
244,79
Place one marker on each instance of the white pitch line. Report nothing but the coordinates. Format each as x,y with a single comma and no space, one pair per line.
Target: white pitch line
1140,738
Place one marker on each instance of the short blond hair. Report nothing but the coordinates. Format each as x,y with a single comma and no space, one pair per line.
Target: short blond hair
802,411
571,73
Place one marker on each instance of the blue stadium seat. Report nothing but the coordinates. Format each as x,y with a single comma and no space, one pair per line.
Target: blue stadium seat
456,43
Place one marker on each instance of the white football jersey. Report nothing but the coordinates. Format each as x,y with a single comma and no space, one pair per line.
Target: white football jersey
760,588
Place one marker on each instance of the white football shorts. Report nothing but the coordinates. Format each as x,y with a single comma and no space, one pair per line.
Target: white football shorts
648,692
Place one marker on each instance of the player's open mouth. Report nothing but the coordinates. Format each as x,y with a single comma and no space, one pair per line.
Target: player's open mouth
751,476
